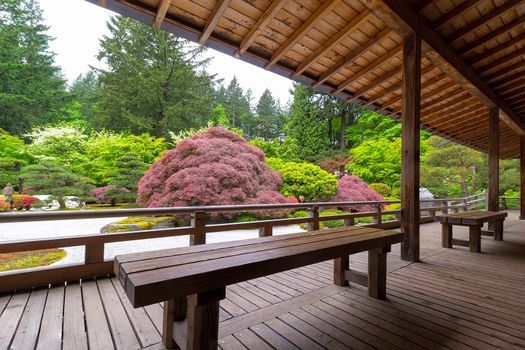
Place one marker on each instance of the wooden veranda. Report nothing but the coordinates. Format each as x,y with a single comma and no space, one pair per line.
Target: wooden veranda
453,299
452,67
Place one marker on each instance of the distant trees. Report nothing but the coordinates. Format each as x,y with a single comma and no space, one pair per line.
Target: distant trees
32,91
129,170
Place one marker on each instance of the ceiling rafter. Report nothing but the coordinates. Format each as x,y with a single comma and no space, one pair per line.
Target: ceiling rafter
498,74
298,34
262,22
163,7
351,57
365,70
381,79
464,6
334,40
491,35
509,5
400,17
457,104
497,49
504,59
214,18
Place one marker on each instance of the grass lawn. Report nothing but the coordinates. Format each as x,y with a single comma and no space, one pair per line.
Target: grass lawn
34,258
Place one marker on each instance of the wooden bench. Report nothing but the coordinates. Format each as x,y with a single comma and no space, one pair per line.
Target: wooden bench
192,280
474,220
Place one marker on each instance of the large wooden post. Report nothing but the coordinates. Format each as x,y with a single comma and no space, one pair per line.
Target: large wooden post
410,213
522,177
493,191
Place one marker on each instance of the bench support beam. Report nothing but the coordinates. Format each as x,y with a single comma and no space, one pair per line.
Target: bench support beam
377,272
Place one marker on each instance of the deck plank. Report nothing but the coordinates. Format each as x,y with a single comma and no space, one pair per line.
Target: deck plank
75,336
27,332
99,333
50,337
10,317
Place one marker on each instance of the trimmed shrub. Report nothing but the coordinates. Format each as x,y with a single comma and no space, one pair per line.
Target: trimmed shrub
4,206
381,188
352,188
214,167
304,180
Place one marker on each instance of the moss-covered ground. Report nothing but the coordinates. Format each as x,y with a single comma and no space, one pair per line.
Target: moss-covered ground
34,258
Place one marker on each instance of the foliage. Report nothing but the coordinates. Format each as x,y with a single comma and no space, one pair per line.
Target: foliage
335,164
105,148
509,175
377,160
245,217
86,91
64,142
268,121
451,169
215,167
370,125
22,201
352,188
13,156
383,189
29,259
219,117
305,125
103,196
287,150
52,179
32,91
154,81
4,206
304,180
129,170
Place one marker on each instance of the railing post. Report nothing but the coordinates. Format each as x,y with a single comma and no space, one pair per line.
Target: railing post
349,222
445,207
465,204
198,221
94,253
265,231
432,211
504,202
313,212
486,201
377,218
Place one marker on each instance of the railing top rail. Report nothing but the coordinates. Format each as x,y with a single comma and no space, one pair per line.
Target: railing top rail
86,214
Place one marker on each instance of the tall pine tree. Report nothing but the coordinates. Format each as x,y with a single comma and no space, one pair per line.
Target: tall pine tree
269,119
32,91
154,82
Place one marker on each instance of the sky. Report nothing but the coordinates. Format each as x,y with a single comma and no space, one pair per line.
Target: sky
76,43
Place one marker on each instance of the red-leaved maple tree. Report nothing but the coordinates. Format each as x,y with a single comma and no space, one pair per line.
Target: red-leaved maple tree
214,167
352,188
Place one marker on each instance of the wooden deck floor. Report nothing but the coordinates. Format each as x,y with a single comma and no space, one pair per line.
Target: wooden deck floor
453,299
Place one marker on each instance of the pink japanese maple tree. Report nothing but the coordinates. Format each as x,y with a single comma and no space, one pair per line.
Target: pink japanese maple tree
214,167
352,188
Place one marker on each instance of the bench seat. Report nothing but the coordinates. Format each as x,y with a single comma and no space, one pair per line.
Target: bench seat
192,280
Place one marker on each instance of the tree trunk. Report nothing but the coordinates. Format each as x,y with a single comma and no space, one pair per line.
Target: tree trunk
330,131
464,185
61,203
342,144
474,181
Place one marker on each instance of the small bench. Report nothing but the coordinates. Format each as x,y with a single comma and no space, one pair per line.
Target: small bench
192,280
474,220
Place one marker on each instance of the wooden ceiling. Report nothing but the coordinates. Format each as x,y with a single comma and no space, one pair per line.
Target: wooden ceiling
473,52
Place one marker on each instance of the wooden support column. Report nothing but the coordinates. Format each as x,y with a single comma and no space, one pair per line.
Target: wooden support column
522,176
410,213
493,191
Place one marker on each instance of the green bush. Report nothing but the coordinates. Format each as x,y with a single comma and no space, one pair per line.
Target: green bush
245,217
332,223
304,180
381,188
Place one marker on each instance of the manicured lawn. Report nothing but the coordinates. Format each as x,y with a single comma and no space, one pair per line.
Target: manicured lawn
35,258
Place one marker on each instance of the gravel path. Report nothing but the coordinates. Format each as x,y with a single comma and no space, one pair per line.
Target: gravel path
46,229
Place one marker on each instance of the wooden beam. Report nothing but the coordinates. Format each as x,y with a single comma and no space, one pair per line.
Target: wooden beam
365,70
214,18
162,9
464,6
400,16
503,60
493,191
420,6
301,31
367,87
509,5
520,38
328,45
351,57
522,178
493,77
509,79
410,214
262,22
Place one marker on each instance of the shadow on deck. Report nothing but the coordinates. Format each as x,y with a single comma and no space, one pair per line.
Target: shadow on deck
453,299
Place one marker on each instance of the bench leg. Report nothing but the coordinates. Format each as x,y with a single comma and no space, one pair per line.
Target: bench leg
377,272
498,230
475,238
446,235
174,310
203,319
340,266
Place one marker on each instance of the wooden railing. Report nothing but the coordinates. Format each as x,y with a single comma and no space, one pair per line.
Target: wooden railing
95,265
